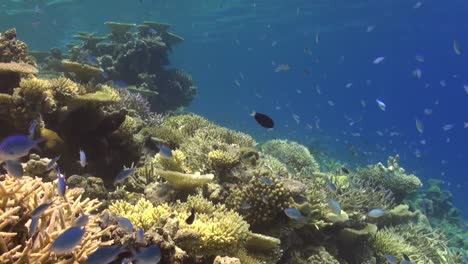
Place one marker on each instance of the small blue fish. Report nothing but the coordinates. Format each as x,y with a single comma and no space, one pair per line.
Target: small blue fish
125,224
14,168
391,259
376,213
294,214
331,186
153,31
124,174
381,104
378,60
52,163
104,255
92,60
17,146
406,262
165,151
334,206
41,209
68,240
82,160
266,180
120,84
33,226
149,255
82,220
32,128
140,236
61,184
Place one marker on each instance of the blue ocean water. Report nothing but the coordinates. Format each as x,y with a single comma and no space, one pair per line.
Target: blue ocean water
327,98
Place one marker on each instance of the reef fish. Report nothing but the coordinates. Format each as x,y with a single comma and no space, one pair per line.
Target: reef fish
282,67
33,226
376,213
52,163
378,60
345,170
381,104
334,206
140,236
294,214
17,146
165,151
391,259
419,126
61,183
13,168
149,255
191,217
32,128
104,255
82,220
83,162
124,174
331,186
125,224
41,209
68,240
263,120
456,47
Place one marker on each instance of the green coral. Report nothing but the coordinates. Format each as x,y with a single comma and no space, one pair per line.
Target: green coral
419,243
295,156
392,177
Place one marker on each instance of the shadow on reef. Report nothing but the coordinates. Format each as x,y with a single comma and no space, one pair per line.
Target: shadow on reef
215,196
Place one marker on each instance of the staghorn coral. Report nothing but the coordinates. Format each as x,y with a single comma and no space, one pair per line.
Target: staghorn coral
296,157
392,177
19,197
261,200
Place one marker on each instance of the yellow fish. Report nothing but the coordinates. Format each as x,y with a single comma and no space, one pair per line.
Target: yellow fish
282,67
53,140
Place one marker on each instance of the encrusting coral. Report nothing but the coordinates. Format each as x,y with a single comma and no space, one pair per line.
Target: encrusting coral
19,197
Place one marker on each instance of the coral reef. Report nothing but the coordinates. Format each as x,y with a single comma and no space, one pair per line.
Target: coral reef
296,157
392,177
19,197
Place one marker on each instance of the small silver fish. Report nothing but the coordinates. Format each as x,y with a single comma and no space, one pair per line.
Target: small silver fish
61,184
41,209
456,47
82,220
33,226
334,206
125,224
105,254
82,160
381,104
17,146
294,214
124,174
376,213
140,236
378,60
419,125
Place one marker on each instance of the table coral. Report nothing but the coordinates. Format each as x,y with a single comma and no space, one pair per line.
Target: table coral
19,197
184,181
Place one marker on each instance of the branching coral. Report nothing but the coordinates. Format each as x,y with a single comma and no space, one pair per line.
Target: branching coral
420,244
392,177
185,181
143,214
174,163
19,197
296,157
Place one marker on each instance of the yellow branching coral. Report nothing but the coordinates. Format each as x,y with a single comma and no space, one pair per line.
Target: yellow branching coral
221,231
65,88
38,94
185,181
18,198
174,163
143,214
